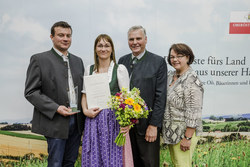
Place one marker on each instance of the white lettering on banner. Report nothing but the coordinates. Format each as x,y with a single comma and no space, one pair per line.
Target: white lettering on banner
241,25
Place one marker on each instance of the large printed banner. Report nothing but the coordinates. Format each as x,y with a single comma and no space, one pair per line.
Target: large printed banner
218,35
240,22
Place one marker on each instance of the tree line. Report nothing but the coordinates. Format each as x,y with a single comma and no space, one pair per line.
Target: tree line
16,127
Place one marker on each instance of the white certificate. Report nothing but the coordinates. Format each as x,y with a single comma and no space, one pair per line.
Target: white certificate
97,90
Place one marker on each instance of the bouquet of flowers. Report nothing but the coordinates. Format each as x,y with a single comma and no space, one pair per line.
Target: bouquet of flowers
129,107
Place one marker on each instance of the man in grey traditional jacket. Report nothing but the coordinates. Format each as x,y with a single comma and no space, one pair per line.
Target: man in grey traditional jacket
52,80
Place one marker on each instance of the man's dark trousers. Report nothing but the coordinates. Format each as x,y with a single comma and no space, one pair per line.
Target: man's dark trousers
57,147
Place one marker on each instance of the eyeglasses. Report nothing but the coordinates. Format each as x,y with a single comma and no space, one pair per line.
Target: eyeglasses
176,57
105,46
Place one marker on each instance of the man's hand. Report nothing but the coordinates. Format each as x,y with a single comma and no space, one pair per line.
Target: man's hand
151,133
92,112
62,110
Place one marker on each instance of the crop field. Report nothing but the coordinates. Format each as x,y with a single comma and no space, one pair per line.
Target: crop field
24,149
225,154
221,125
17,146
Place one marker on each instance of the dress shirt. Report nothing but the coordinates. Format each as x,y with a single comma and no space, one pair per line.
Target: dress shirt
72,93
139,56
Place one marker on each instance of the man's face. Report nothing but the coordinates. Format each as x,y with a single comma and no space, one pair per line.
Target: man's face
61,39
137,42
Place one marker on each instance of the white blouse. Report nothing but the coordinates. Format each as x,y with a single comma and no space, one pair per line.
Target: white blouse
122,75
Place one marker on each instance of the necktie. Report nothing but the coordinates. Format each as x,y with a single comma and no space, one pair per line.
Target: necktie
72,90
135,60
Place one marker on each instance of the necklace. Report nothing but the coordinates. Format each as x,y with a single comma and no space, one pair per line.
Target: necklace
180,74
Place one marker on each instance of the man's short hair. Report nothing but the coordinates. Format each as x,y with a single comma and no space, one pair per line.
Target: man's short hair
137,27
62,24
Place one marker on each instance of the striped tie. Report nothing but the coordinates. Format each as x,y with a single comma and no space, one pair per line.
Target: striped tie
135,60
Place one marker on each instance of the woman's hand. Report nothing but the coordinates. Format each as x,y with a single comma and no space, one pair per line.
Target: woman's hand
125,129
92,112
185,144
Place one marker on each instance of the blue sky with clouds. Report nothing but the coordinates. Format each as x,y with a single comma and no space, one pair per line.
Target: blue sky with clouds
203,25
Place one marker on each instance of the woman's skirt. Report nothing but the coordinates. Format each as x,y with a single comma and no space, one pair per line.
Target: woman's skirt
98,146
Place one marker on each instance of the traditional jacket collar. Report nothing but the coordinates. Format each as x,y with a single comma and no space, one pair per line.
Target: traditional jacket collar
139,56
59,54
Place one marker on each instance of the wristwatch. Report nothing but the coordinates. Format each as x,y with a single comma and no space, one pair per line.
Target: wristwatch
188,138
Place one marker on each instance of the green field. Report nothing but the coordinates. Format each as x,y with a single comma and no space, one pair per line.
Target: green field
226,154
229,126
209,154
27,136
221,125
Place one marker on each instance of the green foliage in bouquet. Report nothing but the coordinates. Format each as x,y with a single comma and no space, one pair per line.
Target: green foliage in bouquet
128,107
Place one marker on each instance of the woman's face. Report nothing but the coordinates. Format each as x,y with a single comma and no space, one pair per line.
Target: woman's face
178,61
103,49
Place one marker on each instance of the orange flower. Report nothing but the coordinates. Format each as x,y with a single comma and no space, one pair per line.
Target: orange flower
137,107
129,101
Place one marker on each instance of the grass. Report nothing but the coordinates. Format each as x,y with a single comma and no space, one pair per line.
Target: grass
27,136
230,154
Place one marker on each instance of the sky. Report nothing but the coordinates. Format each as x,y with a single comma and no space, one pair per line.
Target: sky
203,25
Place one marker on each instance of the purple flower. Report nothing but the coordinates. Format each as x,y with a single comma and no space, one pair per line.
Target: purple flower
146,107
118,94
129,106
133,120
122,106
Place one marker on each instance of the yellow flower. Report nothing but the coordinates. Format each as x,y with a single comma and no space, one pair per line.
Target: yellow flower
204,153
233,158
117,97
137,107
129,101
